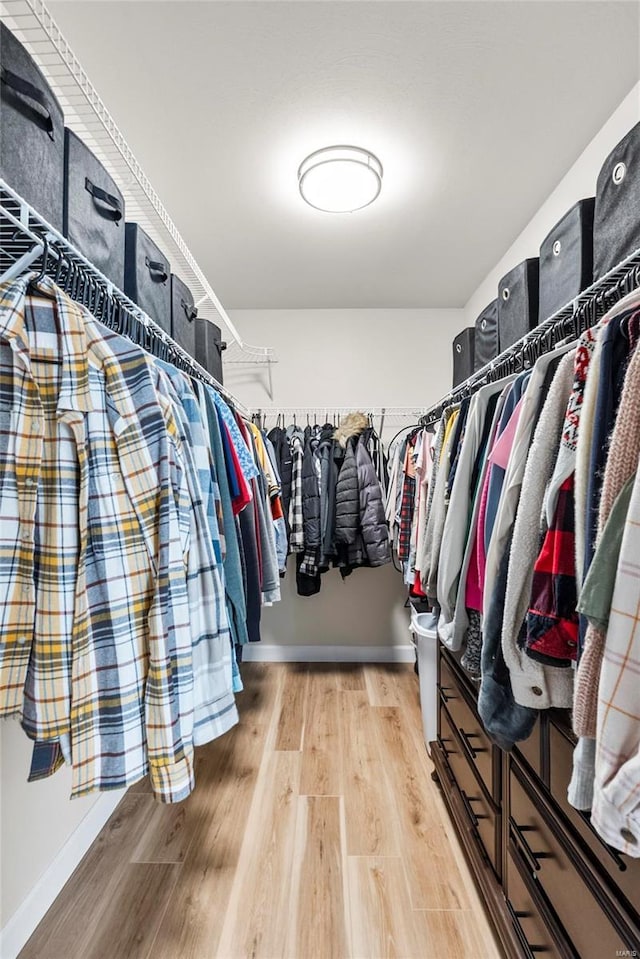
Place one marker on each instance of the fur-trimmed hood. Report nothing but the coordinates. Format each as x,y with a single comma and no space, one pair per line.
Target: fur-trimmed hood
351,425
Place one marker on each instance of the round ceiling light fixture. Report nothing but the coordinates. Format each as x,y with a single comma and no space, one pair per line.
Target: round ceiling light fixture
340,179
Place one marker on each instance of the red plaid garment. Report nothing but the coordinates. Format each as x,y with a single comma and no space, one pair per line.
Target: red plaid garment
406,518
552,620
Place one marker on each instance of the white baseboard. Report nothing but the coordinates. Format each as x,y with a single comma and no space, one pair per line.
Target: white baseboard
23,922
269,653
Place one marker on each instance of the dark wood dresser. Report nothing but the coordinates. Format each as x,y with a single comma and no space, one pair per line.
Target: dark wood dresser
550,885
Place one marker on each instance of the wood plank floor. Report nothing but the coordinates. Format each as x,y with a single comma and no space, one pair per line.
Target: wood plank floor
315,832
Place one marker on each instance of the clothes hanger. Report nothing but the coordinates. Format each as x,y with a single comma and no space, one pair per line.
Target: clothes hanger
25,261
413,426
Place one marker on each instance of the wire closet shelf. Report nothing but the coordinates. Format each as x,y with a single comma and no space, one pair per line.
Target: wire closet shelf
86,115
570,321
22,229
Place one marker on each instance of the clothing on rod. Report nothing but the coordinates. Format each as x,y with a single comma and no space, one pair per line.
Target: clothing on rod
528,553
331,479
125,595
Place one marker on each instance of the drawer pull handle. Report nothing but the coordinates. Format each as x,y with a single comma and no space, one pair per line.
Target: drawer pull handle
515,917
531,856
471,813
467,805
443,692
477,799
472,750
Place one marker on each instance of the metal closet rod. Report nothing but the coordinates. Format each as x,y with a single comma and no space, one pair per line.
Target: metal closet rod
570,321
29,225
363,408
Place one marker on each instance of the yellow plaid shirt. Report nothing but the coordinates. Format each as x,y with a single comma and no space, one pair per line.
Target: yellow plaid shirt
95,640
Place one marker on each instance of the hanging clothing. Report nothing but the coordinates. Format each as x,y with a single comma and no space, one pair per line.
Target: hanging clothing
617,768
87,489
532,683
128,482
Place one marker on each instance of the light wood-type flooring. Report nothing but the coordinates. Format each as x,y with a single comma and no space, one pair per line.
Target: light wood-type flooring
314,832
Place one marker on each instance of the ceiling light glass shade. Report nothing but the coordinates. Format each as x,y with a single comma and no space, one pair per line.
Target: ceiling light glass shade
340,179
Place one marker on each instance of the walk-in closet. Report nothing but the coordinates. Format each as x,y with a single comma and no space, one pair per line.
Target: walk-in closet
319,490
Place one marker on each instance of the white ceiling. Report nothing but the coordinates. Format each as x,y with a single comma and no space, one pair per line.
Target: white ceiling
476,109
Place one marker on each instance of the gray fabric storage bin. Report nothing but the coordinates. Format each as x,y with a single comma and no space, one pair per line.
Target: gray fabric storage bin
183,315
146,276
93,210
209,347
486,345
518,302
31,132
616,229
463,355
566,259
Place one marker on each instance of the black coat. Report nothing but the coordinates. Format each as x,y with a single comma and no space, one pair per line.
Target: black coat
330,454
284,462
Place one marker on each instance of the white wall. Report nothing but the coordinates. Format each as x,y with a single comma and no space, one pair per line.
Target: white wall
579,182
37,821
353,358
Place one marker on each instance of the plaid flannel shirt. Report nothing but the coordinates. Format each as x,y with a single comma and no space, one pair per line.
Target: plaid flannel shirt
407,505
616,802
296,515
215,710
96,643
552,620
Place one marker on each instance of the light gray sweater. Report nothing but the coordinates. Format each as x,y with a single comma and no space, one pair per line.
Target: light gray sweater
534,684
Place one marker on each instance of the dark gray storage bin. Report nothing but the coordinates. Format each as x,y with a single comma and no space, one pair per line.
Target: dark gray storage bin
209,347
183,315
31,132
146,276
486,345
566,259
463,357
518,302
616,230
93,209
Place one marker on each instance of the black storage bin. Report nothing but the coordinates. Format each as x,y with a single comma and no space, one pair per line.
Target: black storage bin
183,315
616,231
31,132
463,355
93,210
566,259
146,276
518,302
485,342
209,347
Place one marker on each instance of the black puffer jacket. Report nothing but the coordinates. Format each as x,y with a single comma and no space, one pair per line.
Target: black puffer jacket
375,533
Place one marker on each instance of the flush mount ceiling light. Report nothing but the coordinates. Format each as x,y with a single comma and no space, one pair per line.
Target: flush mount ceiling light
340,179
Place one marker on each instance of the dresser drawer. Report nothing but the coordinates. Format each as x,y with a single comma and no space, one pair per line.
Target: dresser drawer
531,749
528,913
480,810
579,912
622,871
476,744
